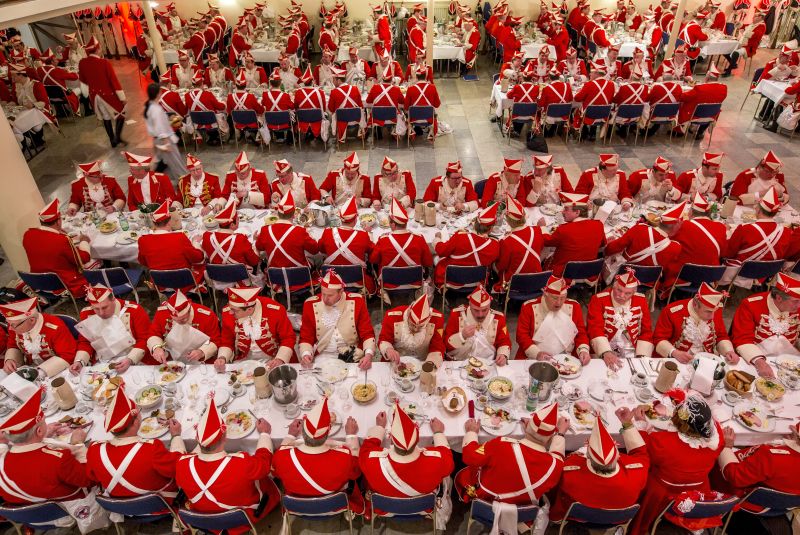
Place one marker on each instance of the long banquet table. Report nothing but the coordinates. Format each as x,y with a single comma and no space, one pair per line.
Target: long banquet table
201,379
775,90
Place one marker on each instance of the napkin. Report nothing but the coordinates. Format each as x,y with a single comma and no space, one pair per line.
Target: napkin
703,379
22,388
604,211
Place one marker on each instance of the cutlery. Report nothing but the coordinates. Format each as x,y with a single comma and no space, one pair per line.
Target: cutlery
630,365
224,408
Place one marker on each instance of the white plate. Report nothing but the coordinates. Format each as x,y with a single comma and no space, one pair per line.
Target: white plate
767,423
416,365
332,371
66,436
790,363
564,359
149,404
504,429
589,418
157,430
165,376
239,433
244,371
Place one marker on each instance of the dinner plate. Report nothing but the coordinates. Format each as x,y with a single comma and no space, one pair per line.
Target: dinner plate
332,370
505,427
790,363
740,414
244,371
151,428
240,424
413,368
564,363
171,372
581,417
66,436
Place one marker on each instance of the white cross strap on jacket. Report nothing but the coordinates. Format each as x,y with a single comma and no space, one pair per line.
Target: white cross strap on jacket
48,79
305,475
118,473
765,246
422,96
385,89
401,251
279,246
394,479
222,249
705,231
651,250
473,250
343,249
204,492
529,250
197,104
528,487
239,100
599,94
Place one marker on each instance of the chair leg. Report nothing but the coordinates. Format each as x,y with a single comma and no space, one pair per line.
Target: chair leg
562,526
118,530
18,527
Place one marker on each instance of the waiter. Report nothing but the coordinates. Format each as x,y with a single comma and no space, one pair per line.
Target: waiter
336,324
346,182
145,186
105,92
248,186
118,331
767,324
477,331
184,330
36,339
414,330
254,328
552,324
521,249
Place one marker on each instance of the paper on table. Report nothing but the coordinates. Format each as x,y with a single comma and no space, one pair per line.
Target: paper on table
184,338
108,337
703,379
604,211
22,388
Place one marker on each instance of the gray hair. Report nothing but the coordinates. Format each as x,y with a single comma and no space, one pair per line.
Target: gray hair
603,469
313,442
403,453
21,438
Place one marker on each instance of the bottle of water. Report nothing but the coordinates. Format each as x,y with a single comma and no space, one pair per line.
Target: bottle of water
123,222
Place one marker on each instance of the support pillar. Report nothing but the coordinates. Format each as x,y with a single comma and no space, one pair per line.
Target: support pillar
429,35
155,37
676,29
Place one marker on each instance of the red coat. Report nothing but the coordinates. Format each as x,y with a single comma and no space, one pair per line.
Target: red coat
195,44
424,474
151,469
631,93
599,37
345,246
774,466
411,250
602,325
293,43
706,93
520,252
755,39
385,74
644,245
496,332
555,93
593,177
309,193
277,100
229,247
98,74
384,32
345,96
306,98
161,189
495,191
385,94
684,71
406,188
689,181
361,324
744,180
671,330
203,100
416,42
692,34
595,93
173,103
285,244
56,341
203,319
422,94
138,322
435,193
471,41
761,240
277,338
327,40
336,185
210,190
51,250
580,239
394,333
330,468
57,76
259,187
239,44
43,473
719,21
464,248
757,319
531,316
80,197
168,250
525,93
559,39
666,92
702,242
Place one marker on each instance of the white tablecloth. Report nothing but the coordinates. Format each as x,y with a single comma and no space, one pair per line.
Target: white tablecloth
449,52
364,52
25,120
260,55
450,375
718,47
531,50
774,90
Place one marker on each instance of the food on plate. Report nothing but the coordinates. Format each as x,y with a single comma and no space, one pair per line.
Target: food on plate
406,369
500,388
739,381
583,412
239,423
656,410
771,390
789,364
148,396
74,422
476,369
107,227
104,390
242,376
368,220
152,426
750,419
567,365
502,414
170,372
270,219
364,392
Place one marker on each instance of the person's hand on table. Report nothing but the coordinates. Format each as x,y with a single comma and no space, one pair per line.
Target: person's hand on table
543,355
459,206
684,357
563,424
195,355
276,197
206,209
351,426
584,357
763,368
380,419
729,435
501,360
624,415
109,209
468,331
78,436
295,427
71,211
160,355
274,363
437,426
219,365
328,199
29,105
639,412
262,426
613,361
307,361
175,427
626,205
731,357
471,425
76,367
365,363
122,365
9,366
392,355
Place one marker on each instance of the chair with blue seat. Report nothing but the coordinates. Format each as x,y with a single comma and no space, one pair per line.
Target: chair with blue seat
582,271
499,52
522,113
663,113
225,274
387,114
311,116
480,185
121,281
598,113
481,511
525,286
317,508
348,115
462,280
48,286
753,83
495,77
411,509
766,503
144,509
204,121
692,276
555,113
352,276
216,522
240,118
627,114
419,116
279,121
38,516
400,279
167,281
59,101
600,519
758,270
287,278
70,322
705,114
701,510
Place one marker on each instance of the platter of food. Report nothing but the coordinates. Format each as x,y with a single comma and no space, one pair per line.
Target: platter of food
171,372
476,368
239,424
244,373
364,392
790,363
551,209
332,370
68,424
454,400
754,416
568,367
769,389
153,427
127,238
500,388
407,368
739,382
497,422
584,413
148,396
658,414
107,227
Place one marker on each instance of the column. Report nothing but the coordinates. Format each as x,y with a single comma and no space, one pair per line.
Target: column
676,29
155,36
429,36
20,199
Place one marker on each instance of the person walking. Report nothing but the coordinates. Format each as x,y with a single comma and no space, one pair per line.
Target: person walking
165,142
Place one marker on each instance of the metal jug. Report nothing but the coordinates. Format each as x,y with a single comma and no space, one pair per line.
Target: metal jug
284,384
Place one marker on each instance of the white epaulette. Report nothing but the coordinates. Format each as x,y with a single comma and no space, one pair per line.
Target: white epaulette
54,453
633,465
754,298
779,451
509,439
378,454
203,311
676,308
571,468
273,306
394,313
432,453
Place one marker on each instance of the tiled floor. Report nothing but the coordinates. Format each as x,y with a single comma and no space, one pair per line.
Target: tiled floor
475,141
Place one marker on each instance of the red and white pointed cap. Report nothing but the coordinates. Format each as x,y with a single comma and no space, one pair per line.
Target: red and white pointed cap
242,297
97,293
601,447
404,432
397,213
227,215
241,78
713,71
165,79
135,160
488,216
609,159
242,162
513,165
331,281
599,66
327,52
480,298
674,214
275,74
339,72
543,161
198,77
388,164
92,45
28,414
317,423
161,213
662,164
178,303
213,57
120,413
281,166
700,202
70,37
514,208
90,168
19,310
627,279
307,77
573,199
771,161
712,158
286,205
420,310
710,297
211,426
788,284
50,213
770,201
786,50
349,211
518,55
454,167
543,421
681,49
352,161
572,52
183,54
192,161
556,286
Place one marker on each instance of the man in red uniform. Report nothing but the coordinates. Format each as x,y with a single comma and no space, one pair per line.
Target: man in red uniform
248,186
510,470
105,92
199,187
241,100
749,41
347,182
467,248
578,238
602,477
36,339
607,182
316,467
706,180
525,92
276,99
417,40
400,247
201,99
309,97
385,94
215,481
552,324
127,466
521,249
336,324
709,92
346,245
750,185
598,91
145,186
386,69
767,324
692,34
182,74
392,183
33,472
226,246
217,75
453,191
383,31
423,93
300,185
94,190
283,243
471,37
692,326
183,330
547,181
678,66
50,249
476,331
253,328
573,67
414,330
618,322
171,99
656,183
345,96
662,92
50,74
638,67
